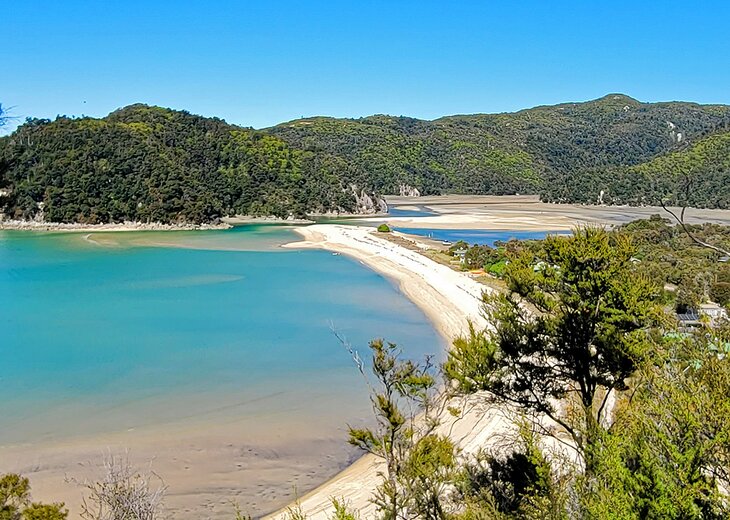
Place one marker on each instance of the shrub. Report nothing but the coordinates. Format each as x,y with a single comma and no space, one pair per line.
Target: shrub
383,228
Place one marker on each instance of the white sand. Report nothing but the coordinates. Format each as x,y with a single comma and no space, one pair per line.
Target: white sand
448,298
525,213
208,462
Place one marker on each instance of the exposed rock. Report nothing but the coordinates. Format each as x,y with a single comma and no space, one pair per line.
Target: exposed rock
408,191
675,135
367,204
40,215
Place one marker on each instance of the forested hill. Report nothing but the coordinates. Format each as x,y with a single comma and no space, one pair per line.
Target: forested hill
153,164
566,153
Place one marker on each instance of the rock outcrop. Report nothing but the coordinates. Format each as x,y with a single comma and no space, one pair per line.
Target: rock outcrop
368,203
408,191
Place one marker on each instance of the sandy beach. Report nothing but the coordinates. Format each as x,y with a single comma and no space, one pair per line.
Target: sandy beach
209,463
525,213
449,298
232,461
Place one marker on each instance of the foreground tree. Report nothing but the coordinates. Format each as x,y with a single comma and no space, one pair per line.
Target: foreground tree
419,462
572,329
16,504
668,455
521,485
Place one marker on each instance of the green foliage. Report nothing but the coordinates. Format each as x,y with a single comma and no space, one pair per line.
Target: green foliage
419,462
566,153
667,255
667,456
582,339
15,502
483,257
517,485
706,164
383,228
295,512
342,512
720,293
574,325
37,511
151,164
663,451
458,246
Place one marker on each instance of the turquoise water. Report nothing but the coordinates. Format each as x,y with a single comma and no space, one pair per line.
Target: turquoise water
117,331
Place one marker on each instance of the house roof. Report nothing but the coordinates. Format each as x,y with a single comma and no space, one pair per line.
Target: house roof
688,316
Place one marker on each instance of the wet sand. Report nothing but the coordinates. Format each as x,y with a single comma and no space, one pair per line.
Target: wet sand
209,464
525,213
449,298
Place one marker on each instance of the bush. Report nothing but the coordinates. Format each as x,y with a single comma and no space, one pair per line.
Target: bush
720,293
383,228
15,502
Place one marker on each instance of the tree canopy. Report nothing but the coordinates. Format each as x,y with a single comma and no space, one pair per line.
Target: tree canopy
573,326
150,163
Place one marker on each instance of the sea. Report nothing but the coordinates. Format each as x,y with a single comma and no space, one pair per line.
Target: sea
104,332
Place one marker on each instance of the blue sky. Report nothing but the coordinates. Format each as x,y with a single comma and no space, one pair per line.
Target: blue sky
261,63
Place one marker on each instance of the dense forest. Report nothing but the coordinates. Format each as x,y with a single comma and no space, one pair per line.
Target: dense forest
153,164
566,153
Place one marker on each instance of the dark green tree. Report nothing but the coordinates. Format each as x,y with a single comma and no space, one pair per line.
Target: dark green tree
16,504
668,454
568,335
419,462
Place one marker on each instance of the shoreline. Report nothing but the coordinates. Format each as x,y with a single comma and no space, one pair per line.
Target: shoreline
467,212
448,298
445,296
526,213
29,225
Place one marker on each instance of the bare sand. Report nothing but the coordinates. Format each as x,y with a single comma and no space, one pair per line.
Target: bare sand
448,298
526,213
210,466
251,455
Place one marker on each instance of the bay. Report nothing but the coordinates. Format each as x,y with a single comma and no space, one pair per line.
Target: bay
108,332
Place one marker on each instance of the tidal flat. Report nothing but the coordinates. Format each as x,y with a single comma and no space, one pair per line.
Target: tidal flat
209,354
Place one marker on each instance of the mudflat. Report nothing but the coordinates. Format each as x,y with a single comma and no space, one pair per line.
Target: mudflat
523,212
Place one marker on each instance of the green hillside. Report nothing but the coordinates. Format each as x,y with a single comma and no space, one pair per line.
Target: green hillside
705,164
153,164
562,152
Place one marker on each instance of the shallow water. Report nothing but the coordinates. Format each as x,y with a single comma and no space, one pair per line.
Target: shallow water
476,236
118,331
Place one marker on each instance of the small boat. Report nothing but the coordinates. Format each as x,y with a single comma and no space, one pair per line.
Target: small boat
335,254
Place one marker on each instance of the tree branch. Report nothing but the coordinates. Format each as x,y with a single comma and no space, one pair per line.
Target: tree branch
680,220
